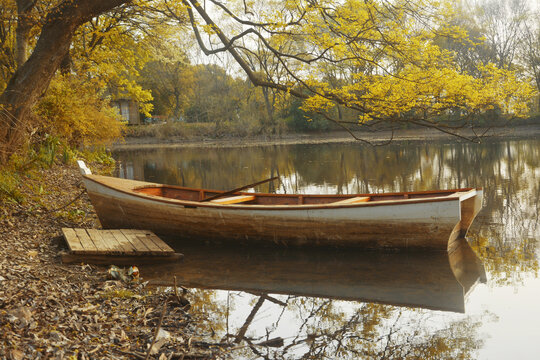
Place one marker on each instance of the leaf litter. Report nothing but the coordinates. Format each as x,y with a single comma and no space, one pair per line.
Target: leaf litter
53,311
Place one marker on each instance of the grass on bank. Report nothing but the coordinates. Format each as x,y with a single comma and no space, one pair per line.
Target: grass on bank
71,115
24,169
297,123
195,131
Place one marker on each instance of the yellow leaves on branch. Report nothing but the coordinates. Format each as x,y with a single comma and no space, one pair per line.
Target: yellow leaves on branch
110,55
391,65
433,91
502,88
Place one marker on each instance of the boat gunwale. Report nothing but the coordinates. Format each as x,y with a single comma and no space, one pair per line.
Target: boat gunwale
454,194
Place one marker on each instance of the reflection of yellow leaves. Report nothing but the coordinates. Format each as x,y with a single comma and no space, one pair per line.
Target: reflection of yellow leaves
381,331
507,262
209,312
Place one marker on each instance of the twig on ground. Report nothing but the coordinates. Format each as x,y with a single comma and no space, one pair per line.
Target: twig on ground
157,329
176,292
67,204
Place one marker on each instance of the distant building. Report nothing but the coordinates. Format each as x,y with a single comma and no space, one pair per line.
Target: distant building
129,110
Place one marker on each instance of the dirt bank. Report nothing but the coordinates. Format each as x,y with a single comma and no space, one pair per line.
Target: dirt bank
53,311
379,137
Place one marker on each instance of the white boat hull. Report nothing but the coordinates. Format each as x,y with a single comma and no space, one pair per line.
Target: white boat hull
420,224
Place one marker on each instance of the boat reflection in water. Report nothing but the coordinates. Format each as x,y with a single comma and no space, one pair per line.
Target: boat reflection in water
431,280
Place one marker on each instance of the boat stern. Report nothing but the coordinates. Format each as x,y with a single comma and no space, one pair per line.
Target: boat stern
470,207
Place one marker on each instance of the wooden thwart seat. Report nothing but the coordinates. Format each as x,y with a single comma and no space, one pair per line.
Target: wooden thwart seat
354,200
463,195
233,199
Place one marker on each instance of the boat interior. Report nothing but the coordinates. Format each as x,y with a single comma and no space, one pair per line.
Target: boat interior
199,195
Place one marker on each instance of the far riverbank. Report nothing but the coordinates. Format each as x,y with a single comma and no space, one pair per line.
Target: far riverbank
375,138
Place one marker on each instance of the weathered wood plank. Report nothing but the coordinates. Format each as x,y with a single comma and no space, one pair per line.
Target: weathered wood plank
101,244
150,237
139,246
110,239
148,242
86,241
72,240
124,242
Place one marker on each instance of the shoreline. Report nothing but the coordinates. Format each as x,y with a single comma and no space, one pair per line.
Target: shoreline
373,138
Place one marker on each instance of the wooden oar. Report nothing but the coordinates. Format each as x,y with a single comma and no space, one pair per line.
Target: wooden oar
238,189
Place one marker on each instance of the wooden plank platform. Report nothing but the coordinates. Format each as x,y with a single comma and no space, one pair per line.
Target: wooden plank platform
122,246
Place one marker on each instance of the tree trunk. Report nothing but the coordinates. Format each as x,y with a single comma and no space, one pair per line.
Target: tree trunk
177,108
269,109
31,79
24,25
65,65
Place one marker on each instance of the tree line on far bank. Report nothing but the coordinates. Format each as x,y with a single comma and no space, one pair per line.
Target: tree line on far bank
505,33
207,100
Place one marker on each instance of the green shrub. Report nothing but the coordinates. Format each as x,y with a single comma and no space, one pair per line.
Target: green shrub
299,120
10,183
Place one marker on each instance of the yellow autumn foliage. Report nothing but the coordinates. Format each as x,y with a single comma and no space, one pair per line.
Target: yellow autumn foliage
73,111
111,52
412,74
387,58
376,60
8,9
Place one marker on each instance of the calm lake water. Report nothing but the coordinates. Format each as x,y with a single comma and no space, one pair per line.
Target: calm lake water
481,302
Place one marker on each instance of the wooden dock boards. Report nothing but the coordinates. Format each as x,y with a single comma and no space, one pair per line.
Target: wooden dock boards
127,246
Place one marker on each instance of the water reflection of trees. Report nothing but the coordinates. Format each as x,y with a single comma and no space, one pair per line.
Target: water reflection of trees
326,328
505,233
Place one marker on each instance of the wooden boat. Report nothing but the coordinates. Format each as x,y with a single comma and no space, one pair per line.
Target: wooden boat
435,280
411,220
